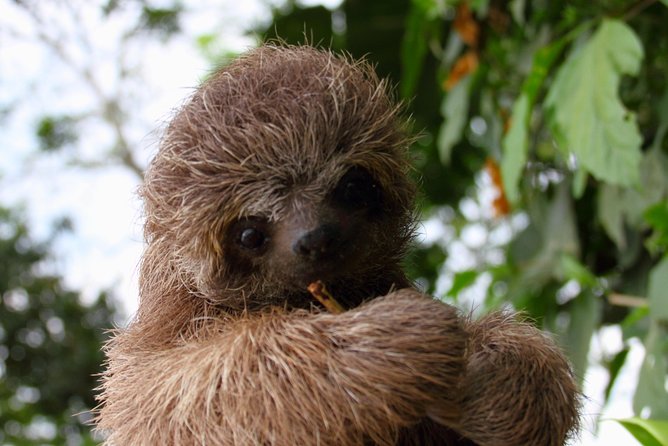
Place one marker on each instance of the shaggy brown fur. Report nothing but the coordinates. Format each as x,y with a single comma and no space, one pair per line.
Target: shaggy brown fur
287,166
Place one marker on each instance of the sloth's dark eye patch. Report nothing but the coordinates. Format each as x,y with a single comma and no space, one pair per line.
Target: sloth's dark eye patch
358,190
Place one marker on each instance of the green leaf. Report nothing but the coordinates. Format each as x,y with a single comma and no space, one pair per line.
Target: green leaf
515,146
517,8
462,280
647,432
618,206
455,111
542,63
610,210
55,132
653,185
204,41
587,117
480,7
163,20
432,8
579,183
585,316
657,217
651,395
658,291
516,142
413,49
574,270
632,320
614,367
538,250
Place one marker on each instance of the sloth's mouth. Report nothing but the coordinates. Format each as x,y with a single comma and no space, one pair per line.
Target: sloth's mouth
351,292
331,269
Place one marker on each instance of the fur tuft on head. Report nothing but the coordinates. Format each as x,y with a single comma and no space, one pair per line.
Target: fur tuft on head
267,136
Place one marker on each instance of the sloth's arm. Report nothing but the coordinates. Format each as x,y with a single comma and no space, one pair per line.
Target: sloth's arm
518,387
293,378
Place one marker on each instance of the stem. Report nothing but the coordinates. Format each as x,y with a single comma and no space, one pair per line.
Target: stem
636,9
626,300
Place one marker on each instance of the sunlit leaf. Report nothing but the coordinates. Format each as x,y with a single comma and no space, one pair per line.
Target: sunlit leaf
653,185
657,217
614,367
517,10
658,291
647,432
574,270
480,6
454,110
588,118
651,396
462,280
538,250
611,213
633,318
515,147
585,316
432,8
619,206
579,183
515,142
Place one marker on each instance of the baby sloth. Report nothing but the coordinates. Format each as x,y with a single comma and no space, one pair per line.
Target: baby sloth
286,167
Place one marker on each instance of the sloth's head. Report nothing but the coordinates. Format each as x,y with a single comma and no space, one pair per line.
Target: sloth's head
286,166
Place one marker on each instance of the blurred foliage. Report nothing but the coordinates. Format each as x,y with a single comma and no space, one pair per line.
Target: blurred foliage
55,132
647,432
559,111
162,20
50,346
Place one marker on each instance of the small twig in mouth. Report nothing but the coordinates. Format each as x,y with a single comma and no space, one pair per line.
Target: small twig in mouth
318,290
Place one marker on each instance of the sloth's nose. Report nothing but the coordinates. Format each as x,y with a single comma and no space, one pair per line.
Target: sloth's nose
319,243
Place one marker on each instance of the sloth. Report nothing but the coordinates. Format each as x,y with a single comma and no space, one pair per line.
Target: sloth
288,166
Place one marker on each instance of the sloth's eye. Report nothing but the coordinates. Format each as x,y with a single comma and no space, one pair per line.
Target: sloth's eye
358,190
251,234
251,238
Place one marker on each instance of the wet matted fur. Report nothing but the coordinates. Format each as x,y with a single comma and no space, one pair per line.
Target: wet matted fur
228,348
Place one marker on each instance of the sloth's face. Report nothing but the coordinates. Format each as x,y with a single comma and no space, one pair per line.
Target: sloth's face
337,240
280,171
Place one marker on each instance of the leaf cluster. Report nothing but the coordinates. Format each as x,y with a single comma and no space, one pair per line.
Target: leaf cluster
50,345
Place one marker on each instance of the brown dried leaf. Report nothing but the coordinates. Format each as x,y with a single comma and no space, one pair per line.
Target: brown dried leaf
500,203
465,65
466,26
